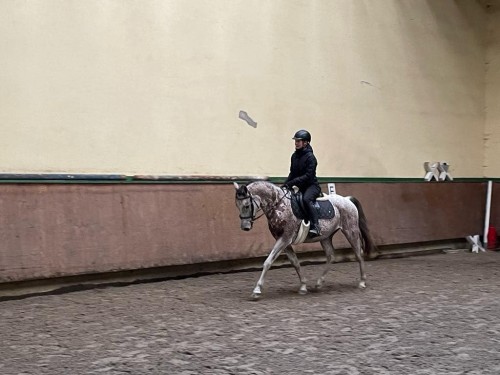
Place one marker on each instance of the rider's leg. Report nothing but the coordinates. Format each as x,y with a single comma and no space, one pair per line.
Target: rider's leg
309,197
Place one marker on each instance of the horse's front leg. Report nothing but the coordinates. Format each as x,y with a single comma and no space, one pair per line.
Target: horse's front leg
275,252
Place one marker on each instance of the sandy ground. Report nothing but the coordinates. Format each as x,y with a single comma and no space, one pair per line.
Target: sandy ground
434,314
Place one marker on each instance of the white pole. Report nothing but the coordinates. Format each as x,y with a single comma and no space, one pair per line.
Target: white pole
487,218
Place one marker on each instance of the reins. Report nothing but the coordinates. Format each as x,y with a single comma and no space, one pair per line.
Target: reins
283,197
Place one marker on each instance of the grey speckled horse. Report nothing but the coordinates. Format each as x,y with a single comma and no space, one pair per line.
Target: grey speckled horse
284,226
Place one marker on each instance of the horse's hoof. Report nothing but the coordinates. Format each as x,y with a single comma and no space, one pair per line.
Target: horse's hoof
319,284
256,296
302,291
362,285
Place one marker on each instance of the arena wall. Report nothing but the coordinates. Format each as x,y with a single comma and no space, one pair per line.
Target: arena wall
156,87
492,129
58,230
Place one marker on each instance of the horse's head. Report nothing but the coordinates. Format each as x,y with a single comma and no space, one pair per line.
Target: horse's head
247,206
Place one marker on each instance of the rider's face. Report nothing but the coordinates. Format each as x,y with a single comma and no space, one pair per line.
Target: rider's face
299,144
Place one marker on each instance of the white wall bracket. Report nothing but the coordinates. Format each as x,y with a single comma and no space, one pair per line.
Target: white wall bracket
476,244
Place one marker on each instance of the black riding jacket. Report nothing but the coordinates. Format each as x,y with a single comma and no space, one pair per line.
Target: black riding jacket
302,169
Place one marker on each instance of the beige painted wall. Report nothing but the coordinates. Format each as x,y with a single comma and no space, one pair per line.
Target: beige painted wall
492,130
155,87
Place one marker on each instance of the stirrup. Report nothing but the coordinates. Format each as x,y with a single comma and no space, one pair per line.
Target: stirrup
314,231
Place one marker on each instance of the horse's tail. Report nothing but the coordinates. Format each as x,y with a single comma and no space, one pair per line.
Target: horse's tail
369,245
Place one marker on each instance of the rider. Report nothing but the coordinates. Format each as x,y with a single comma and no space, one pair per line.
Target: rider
303,175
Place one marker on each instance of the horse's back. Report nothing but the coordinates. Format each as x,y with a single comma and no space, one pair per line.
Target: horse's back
336,199
343,205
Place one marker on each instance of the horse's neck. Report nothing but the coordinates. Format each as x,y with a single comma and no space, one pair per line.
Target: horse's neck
268,193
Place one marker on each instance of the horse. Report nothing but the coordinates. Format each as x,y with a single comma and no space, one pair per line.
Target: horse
275,204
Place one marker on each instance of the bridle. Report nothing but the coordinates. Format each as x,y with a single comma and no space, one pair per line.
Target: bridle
252,217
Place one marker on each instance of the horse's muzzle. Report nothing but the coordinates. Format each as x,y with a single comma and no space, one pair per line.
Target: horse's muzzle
246,225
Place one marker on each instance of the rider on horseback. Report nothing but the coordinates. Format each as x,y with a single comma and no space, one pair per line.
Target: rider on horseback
303,175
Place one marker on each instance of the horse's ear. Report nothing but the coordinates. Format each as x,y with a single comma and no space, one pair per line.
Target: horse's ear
236,186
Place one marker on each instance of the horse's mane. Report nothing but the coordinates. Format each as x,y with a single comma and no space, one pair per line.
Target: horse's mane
261,181
264,182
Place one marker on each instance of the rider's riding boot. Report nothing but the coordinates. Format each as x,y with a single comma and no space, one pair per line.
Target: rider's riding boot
314,231
313,214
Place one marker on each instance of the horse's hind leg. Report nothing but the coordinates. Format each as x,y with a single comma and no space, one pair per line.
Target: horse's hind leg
329,251
295,262
354,238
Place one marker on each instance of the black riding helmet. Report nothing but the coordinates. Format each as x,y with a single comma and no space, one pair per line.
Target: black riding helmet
303,135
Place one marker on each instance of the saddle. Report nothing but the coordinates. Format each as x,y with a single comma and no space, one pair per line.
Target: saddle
322,205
